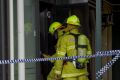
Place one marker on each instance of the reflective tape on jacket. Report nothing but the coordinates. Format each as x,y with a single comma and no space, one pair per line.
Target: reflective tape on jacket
70,47
57,72
60,53
72,75
82,50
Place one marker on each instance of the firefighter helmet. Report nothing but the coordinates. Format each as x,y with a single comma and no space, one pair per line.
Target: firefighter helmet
74,20
54,26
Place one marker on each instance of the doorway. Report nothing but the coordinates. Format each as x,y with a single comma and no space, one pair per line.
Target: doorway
49,13
116,45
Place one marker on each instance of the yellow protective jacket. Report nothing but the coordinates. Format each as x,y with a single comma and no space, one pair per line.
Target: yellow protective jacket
60,33
66,46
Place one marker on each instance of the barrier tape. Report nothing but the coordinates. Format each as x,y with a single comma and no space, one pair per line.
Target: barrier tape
107,66
98,54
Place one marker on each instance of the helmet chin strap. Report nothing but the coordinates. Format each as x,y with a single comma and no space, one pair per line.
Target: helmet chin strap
56,35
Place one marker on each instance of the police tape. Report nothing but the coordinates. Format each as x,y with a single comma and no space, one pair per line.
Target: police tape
98,54
107,66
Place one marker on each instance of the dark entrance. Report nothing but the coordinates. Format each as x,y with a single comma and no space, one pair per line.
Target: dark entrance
50,12
116,41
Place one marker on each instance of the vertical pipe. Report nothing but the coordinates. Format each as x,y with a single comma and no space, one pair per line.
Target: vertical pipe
3,36
98,35
11,38
21,46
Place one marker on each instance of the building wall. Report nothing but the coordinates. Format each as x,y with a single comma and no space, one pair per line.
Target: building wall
107,36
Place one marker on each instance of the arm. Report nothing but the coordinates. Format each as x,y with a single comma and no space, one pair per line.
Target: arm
60,52
48,56
89,52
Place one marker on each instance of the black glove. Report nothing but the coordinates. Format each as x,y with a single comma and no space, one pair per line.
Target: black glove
79,65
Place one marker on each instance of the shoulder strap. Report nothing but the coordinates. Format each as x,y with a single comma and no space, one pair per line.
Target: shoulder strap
76,40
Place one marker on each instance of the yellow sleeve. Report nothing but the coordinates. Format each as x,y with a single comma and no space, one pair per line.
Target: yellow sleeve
61,51
89,50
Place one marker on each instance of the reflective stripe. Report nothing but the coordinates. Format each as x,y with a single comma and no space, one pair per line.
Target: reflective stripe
58,72
73,75
70,47
60,53
82,52
89,52
74,62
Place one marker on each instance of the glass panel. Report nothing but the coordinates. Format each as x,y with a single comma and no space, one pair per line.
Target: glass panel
30,49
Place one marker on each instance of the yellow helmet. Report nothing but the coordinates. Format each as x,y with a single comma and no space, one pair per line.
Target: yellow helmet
73,20
54,26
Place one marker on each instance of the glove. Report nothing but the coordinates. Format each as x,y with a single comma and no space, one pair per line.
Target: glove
79,65
57,77
46,56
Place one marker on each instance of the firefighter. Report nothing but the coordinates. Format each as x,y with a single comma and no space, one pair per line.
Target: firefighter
66,46
56,27
56,30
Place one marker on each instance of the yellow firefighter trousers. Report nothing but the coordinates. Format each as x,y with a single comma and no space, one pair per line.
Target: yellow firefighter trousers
52,74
